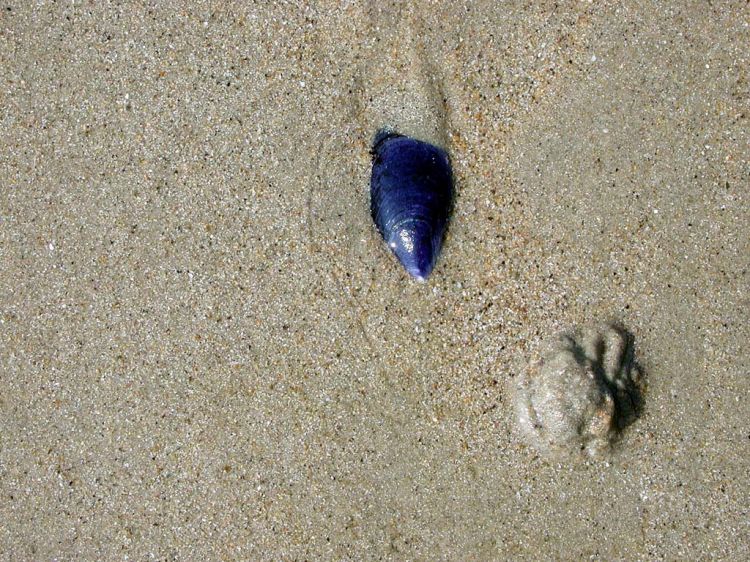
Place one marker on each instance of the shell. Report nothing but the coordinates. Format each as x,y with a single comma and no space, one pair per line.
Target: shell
586,388
411,195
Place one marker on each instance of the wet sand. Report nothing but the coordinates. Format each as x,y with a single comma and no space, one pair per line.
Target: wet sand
207,352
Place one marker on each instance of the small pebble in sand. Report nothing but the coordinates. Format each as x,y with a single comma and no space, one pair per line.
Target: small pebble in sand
581,394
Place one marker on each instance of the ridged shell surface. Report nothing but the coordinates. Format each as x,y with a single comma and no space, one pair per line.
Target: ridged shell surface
411,194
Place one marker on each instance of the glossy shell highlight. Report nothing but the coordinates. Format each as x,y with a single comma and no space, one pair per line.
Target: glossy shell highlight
411,195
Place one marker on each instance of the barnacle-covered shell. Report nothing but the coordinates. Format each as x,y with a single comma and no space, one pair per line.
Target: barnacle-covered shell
411,193
582,393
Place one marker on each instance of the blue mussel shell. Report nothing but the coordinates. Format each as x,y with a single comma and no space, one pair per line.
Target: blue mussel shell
411,195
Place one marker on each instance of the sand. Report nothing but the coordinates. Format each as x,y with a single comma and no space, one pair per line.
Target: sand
208,353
